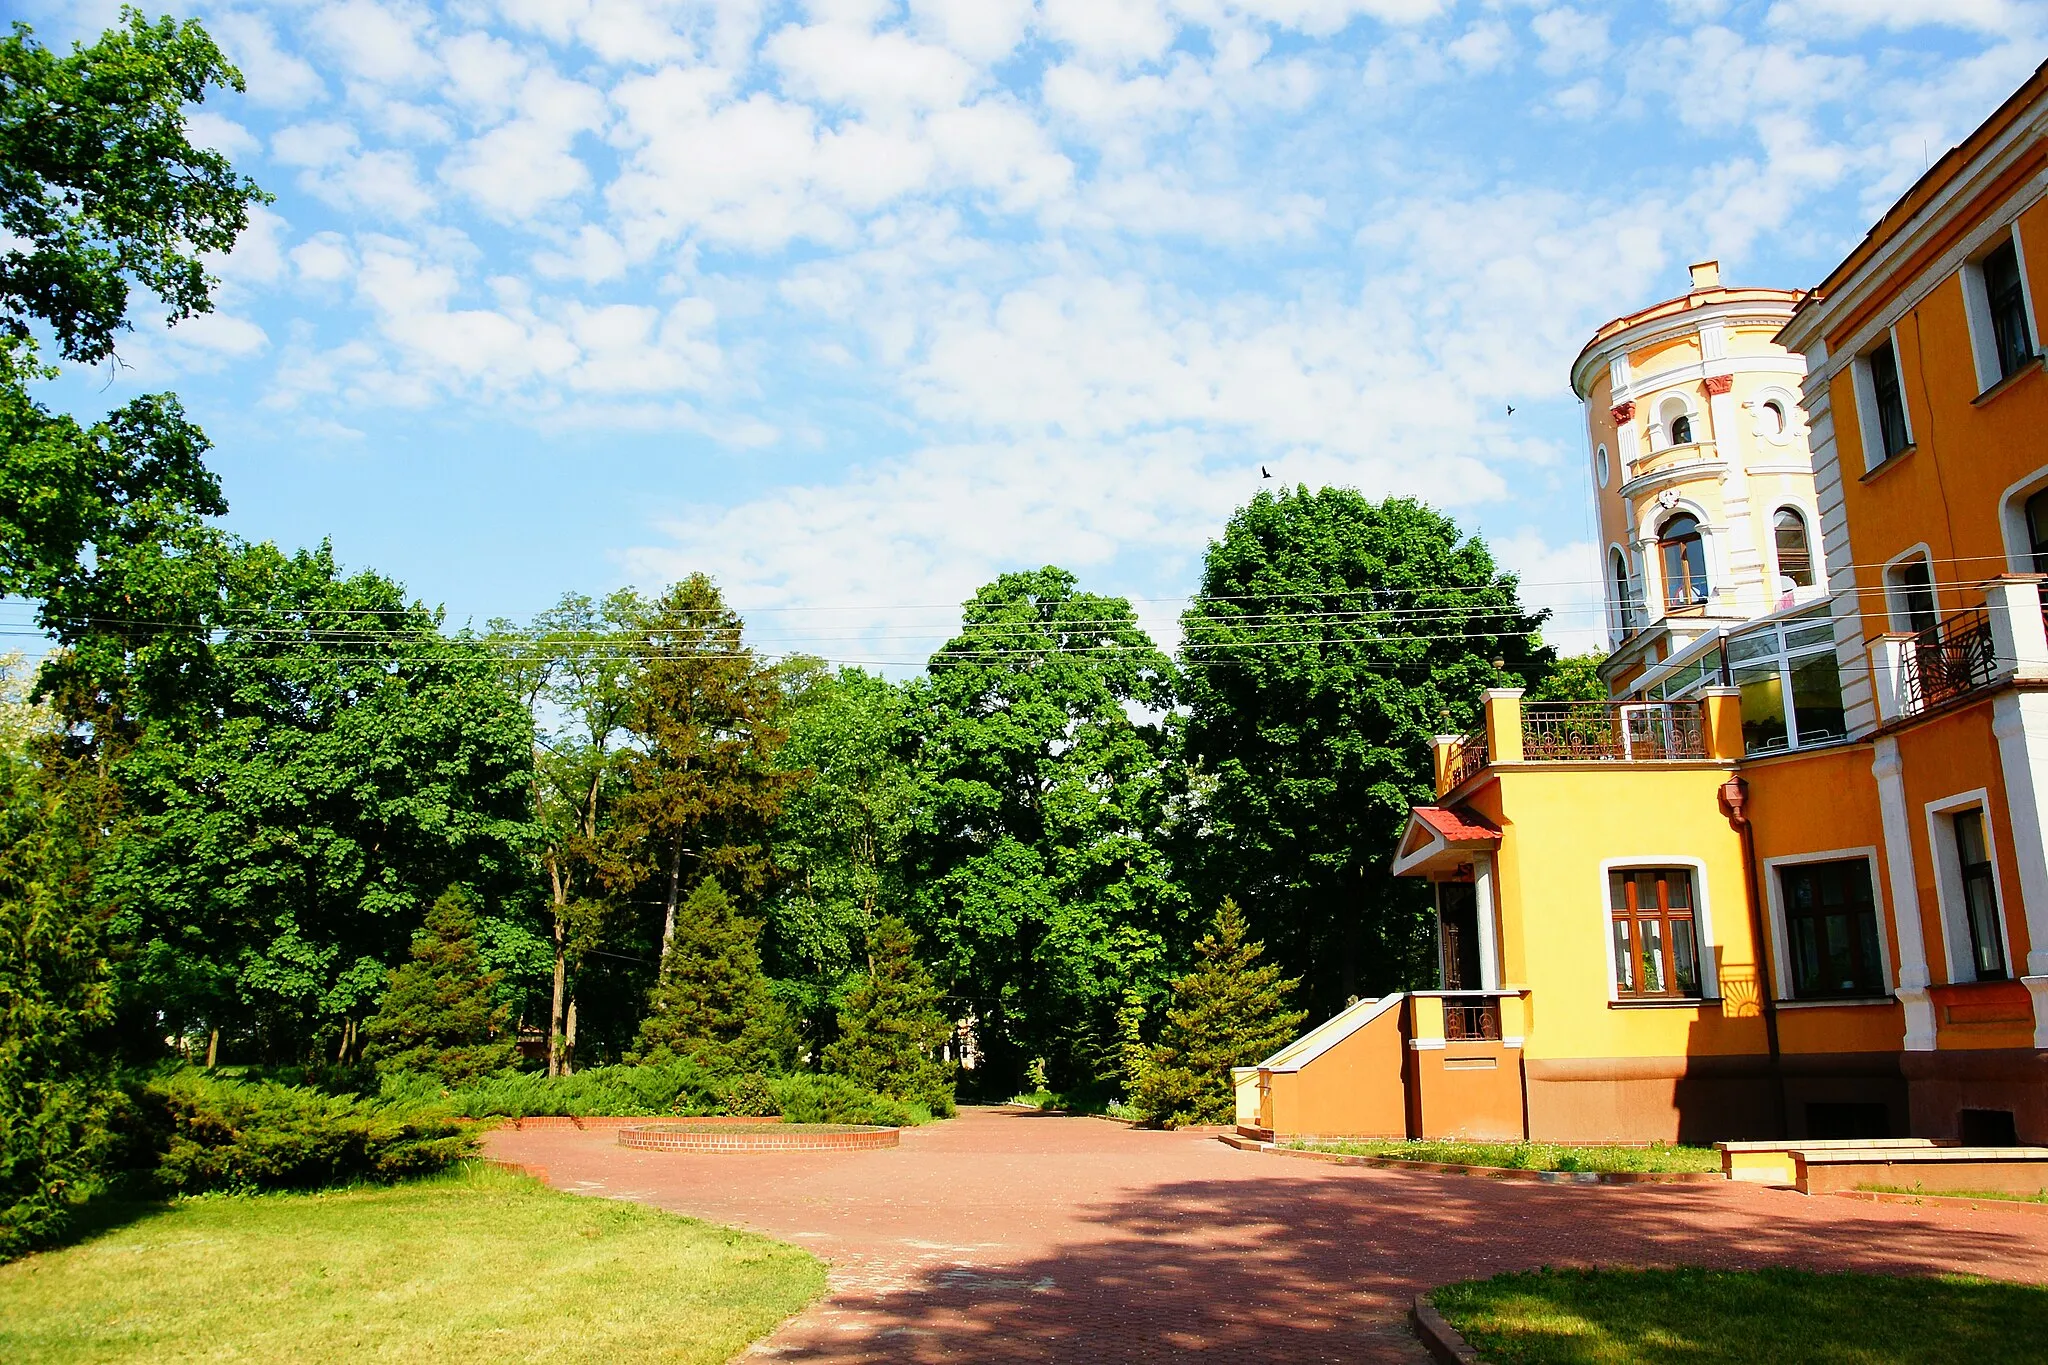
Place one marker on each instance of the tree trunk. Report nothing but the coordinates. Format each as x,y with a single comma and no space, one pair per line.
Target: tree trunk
569,1041
561,891
675,882
212,1047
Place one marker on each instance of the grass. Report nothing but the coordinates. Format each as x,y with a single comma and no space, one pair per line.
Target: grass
475,1265
1707,1317
2039,1197
1533,1156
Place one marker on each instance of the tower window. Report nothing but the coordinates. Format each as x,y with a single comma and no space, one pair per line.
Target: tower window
1890,399
1685,562
1795,554
1681,431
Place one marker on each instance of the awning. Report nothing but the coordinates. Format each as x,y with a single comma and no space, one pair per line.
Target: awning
1439,838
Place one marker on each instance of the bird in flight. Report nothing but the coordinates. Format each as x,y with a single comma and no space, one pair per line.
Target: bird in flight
1263,473
1511,409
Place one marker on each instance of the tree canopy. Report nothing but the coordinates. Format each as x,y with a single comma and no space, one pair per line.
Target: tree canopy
1333,636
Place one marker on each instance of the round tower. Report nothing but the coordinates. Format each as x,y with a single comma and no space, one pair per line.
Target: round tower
1702,484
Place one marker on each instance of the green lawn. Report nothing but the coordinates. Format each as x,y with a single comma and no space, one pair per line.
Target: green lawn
2039,1198
1532,1156
1707,1317
476,1265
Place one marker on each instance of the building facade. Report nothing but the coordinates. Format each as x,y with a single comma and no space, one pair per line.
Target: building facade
1791,880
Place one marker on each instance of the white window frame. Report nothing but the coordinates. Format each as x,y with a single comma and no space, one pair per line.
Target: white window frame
1600,465
2012,519
1702,922
1894,616
1660,429
1781,935
1948,883
1787,402
1977,305
1817,565
1869,427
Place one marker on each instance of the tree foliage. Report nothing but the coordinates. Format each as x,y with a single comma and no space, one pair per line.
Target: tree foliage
712,1004
1230,1010
891,1024
441,1014
332,767
839,840
101,188
1042,882
1332,638
1575,677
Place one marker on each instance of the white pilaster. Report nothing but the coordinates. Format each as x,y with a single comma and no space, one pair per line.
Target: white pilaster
1889,771
2019,720
1489,922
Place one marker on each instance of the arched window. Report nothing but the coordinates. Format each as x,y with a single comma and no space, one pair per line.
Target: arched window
1685,562
2037,530
1770,419
1617,568
1795,552
1681,433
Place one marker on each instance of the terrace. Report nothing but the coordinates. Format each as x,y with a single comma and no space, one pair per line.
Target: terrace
1515,732
1970,654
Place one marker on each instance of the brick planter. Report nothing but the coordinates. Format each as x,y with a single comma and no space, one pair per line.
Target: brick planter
606,1122
758,1136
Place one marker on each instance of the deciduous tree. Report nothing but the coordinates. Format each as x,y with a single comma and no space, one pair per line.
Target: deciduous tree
1333,637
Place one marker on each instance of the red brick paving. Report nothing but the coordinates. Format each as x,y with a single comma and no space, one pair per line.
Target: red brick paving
1006,1235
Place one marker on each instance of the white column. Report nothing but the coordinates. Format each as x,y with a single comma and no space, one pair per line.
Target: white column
1489,922
1886,767
1888,675
2020,722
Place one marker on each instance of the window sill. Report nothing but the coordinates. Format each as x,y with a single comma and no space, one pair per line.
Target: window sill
1888,463
1832,1001
1676,1002
1997,390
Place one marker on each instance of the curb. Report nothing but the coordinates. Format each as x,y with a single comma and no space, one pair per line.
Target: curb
1438,1337
1393,1163
539,1173
1950,1201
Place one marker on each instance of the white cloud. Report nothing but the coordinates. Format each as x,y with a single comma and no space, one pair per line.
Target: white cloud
276,78
983,31
844,64
385,44
519,168
324,258
1843,17
1110,31
1564,579
335,169
1571,39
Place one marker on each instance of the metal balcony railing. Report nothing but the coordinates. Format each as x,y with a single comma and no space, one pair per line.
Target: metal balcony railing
1468,759
1470,1021
1947,661
1575,731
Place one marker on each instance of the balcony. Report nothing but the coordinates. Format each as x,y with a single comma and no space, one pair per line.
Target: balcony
1968,655
1590,732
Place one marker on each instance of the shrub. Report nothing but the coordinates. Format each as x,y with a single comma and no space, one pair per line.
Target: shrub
834,1099
441,1015
675,1087
258,1135
751,1096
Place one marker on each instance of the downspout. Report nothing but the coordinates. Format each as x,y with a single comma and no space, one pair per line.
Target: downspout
1735,796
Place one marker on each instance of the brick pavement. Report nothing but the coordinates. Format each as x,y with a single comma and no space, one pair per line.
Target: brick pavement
1006,1235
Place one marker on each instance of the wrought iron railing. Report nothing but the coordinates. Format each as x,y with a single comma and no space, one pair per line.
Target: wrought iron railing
1948,660
1587,731
1468,758
1471,1021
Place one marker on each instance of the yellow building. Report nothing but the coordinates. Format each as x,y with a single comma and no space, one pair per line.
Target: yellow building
1792,881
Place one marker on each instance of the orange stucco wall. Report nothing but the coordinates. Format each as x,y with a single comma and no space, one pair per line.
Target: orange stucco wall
1353,1090
1466,1090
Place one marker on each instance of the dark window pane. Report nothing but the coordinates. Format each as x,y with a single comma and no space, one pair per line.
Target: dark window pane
2037,529
1795,556
1681,431
2008,309
1913,595
1831,926
1980,897
1891,399
1817,699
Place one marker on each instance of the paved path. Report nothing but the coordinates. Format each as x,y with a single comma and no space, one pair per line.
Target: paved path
1008,1235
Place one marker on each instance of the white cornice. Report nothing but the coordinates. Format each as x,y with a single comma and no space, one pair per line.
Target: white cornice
1669,327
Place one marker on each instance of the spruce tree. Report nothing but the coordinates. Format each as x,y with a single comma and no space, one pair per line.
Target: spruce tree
891,1024
441,1015
1231,1010
712,1002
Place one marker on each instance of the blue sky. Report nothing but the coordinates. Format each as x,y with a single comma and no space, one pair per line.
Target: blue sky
855,304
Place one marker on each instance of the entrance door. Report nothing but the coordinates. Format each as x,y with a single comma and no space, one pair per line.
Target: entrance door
1457,920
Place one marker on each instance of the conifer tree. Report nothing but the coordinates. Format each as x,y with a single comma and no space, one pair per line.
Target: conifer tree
441,1015
712,1002
891,1024
1231,1010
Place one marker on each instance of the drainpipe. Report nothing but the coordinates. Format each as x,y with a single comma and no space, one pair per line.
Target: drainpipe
1735,796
